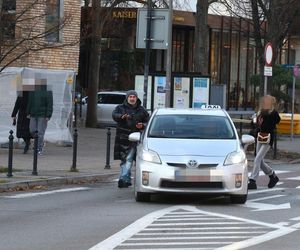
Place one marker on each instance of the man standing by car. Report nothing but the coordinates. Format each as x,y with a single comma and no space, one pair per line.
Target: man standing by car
131,117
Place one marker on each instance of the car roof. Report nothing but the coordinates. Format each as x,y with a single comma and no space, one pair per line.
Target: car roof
112,92
191,111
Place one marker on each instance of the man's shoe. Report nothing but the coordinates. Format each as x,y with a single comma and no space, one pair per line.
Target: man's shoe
123,184
252,184
273,180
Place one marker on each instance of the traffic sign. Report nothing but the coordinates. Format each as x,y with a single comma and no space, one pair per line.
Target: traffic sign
268,71
268,54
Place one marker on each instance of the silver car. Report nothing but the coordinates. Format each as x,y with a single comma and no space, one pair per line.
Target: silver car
191,151
107,101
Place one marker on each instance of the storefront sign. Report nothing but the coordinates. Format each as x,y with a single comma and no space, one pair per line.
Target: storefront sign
124,14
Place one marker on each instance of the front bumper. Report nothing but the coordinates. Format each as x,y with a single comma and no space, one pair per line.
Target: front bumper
154,178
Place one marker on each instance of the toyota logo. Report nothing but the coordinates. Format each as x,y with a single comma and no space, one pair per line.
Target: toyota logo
192,164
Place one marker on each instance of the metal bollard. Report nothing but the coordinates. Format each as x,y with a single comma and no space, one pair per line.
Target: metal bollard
75,138
10,153
107,166
35,153
275,145
75,112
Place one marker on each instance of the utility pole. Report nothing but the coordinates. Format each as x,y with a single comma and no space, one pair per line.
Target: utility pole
169,57
147,51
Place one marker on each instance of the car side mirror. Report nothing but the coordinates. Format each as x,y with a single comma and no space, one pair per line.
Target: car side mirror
247,139
135,137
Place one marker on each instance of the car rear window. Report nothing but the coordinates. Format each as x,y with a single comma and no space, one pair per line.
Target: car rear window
191,127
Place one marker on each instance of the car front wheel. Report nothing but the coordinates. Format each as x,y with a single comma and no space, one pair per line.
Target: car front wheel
142,197
238,199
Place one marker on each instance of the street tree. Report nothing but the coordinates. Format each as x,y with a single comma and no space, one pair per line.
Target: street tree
271,21
21,34
202,36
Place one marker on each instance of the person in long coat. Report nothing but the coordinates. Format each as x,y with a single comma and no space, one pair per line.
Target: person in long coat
19,116
131,117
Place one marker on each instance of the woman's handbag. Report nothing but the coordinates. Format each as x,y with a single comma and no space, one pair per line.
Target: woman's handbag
264,137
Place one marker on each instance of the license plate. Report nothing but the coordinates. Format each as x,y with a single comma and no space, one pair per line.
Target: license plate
194,175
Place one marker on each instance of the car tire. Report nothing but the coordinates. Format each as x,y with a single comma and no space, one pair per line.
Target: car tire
238,199
142,197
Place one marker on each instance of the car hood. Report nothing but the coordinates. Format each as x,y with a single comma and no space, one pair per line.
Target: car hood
196,147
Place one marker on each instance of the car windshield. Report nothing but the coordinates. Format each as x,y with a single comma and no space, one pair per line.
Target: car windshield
191,127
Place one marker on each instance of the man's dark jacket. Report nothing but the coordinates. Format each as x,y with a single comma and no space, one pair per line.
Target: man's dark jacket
127,126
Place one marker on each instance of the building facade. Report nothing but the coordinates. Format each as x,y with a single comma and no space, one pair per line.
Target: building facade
40,34
233,58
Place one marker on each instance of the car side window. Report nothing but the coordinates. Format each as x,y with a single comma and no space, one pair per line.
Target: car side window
114,99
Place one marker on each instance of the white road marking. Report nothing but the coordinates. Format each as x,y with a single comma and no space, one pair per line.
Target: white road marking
121,238
298,187
203,233
187,219
188,238
197,243
295,218
28,195
265,190
199,228
267,197
196,223
294,178
265,207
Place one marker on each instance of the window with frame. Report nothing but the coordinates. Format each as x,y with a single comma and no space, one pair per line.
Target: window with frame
8,19
52,22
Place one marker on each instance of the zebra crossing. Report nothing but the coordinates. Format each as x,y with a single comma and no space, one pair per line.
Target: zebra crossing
186,227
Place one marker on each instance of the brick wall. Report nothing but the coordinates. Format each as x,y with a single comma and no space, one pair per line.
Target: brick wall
66,53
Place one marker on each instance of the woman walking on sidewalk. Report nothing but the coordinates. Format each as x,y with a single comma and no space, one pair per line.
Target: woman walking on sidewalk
19,117
267,119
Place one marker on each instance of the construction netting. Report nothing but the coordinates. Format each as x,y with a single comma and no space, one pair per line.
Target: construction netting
60,82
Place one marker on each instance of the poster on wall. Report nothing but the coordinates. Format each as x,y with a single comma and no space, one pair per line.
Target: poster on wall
159,91
181,92
139,88
200,92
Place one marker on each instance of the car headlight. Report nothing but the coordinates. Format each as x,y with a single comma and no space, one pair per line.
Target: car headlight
235,158
150,156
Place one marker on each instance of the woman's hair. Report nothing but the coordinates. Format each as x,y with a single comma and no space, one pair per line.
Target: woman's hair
272,100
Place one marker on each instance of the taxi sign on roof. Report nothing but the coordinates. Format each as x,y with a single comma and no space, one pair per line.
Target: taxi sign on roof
210,107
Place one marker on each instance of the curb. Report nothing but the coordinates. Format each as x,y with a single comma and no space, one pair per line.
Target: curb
55,181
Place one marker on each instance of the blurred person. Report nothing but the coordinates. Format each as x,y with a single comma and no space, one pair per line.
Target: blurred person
266,120
131,117
39,110
19,116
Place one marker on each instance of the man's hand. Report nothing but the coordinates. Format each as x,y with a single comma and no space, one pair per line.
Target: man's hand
14,121
126,117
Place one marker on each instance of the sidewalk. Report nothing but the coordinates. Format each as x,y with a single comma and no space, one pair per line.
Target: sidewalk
54,165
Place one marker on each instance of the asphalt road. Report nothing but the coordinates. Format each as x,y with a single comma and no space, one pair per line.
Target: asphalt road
105,217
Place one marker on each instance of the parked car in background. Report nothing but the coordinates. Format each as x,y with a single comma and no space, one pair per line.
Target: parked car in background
107,101
191,151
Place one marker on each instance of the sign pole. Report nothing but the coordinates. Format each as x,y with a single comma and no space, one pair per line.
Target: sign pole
295,74
265,85
147,52
169,57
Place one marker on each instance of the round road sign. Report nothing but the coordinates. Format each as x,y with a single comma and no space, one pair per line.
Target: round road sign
268,54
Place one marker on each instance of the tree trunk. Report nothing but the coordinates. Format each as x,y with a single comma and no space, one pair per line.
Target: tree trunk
201,38
91,116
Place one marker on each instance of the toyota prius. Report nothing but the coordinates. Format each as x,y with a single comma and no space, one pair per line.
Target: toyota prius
191,151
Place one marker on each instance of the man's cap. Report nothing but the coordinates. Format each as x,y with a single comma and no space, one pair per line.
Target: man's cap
131,92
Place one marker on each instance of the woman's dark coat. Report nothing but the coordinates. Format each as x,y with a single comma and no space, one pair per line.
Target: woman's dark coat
19,111
125,127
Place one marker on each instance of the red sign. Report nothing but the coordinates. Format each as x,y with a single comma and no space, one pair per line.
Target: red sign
268,54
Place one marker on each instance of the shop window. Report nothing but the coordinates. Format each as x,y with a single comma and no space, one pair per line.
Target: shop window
8,16
52,25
